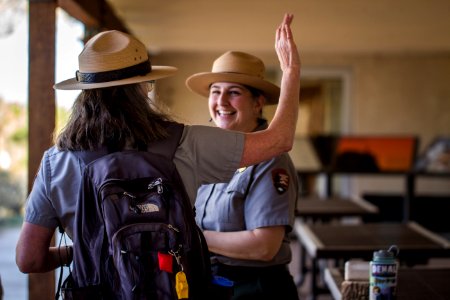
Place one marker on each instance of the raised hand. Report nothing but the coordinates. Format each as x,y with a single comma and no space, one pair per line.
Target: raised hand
285,46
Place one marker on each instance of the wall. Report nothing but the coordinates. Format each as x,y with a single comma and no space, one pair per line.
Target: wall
397,94
389,94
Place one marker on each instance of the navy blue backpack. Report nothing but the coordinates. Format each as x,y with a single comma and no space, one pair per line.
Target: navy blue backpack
135,235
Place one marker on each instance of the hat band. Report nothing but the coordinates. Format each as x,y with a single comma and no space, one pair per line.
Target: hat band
136,70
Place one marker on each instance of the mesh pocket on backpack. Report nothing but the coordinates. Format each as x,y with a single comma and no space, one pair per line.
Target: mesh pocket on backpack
135,254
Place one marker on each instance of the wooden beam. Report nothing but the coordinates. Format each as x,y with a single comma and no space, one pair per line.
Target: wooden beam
96,15
41,110
74,9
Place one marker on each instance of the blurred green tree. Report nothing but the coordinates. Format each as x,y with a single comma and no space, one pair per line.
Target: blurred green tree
13,157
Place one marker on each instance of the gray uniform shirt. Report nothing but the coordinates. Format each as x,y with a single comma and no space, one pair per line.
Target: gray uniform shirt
258,196
205,155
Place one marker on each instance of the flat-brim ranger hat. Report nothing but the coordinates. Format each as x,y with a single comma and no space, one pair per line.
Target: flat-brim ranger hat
238,67
113,58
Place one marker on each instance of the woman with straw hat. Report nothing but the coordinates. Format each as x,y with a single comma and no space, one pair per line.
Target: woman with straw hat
246,222
113,112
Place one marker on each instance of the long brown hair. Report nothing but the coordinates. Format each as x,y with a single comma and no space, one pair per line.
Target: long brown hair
113,117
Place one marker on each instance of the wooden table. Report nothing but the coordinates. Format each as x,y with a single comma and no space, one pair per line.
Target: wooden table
315,208
413,283
343,242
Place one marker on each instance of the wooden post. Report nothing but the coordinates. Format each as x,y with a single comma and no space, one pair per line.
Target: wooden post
41,110
41,96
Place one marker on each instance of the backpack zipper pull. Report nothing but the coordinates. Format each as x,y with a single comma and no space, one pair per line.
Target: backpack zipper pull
181,284
158,183
129,195
173,228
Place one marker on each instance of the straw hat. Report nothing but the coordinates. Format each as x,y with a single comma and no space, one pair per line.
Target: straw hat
238,67
113,58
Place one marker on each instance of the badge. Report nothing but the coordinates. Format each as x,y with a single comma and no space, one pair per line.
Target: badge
240,170
280,180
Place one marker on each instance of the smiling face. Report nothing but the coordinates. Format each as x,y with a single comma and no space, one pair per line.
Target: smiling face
232,106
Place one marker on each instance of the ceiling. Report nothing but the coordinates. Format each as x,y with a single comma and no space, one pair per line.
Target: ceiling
320,26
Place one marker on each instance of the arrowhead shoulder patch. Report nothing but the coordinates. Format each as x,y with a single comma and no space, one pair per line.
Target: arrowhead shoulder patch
280,180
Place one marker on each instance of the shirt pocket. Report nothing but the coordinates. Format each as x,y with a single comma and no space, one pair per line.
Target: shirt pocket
236,192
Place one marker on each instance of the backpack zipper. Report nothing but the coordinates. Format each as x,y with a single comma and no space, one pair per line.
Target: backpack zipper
158,183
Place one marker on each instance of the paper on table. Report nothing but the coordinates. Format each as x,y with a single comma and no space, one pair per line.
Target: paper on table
357,270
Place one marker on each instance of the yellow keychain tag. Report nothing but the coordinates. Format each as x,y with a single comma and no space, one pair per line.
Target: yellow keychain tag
181,285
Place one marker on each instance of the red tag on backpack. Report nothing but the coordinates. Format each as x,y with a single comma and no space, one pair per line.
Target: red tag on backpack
165,262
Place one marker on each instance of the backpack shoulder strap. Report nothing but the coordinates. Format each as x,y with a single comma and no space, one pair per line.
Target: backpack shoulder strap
168,146
89,156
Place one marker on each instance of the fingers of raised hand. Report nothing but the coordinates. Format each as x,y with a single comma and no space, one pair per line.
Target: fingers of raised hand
283,30
284,43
